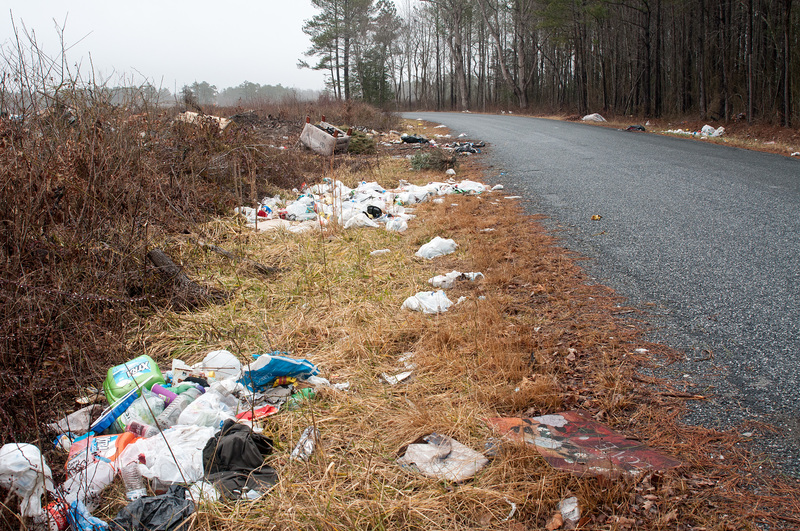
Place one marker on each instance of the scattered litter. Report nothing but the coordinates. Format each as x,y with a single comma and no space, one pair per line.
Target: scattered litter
513,510
597,217
442,457
306,445
24,472
437,247
513,197
380,252
203,120
462,135
497,187
440,126
397,378
705,132
469,188
488,229
446,281
428,302
570,512
636,128
641,351
450,171
796,154
593,118
397,225
575,442
413,139
465,148
301,397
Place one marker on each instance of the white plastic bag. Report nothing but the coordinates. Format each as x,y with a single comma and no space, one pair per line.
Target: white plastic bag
210,409
428,302
24,473
185,443
470,187
224,364
85,486
397,225
447,281
359,220
436,247
595,117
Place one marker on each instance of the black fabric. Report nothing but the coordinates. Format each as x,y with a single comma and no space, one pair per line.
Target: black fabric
234,460
166,512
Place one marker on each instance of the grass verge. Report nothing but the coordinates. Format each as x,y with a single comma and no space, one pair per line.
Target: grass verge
534,337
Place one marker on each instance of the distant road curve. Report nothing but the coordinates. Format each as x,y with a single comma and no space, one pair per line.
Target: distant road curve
706,236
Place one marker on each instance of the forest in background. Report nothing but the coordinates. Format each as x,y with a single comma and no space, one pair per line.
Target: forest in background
716,59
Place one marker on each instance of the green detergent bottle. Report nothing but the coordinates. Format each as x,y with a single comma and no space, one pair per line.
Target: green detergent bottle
122,378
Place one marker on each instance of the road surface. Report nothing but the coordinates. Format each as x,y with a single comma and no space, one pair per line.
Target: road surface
705,238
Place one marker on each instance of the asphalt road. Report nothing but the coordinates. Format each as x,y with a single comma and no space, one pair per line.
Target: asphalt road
705,238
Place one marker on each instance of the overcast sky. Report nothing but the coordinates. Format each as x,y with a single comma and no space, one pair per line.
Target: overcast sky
172,43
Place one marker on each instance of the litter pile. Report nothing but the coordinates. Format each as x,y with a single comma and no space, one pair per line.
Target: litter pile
705,132
367,205
193,432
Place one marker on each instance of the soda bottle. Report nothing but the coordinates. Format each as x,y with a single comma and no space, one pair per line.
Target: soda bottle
141,429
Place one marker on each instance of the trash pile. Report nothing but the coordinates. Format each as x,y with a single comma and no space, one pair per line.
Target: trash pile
367,205
705,132
192,432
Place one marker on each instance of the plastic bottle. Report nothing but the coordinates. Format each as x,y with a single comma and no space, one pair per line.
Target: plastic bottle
168,395
141,429
170,415
134,484
299,398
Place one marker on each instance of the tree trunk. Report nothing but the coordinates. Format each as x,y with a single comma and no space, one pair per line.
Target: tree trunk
787,56
749,45
186,292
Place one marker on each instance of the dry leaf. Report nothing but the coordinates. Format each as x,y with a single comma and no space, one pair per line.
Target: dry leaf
556,521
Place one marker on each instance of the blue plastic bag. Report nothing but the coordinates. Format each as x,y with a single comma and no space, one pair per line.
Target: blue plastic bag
81,519
263,371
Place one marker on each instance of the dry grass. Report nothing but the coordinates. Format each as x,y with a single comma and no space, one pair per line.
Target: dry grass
543,340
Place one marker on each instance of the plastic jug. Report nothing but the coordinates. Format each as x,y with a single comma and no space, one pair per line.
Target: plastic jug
122,378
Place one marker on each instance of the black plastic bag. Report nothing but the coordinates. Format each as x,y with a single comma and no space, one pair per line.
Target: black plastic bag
166,512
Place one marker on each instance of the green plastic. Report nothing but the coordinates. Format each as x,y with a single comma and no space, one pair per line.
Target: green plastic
122,378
